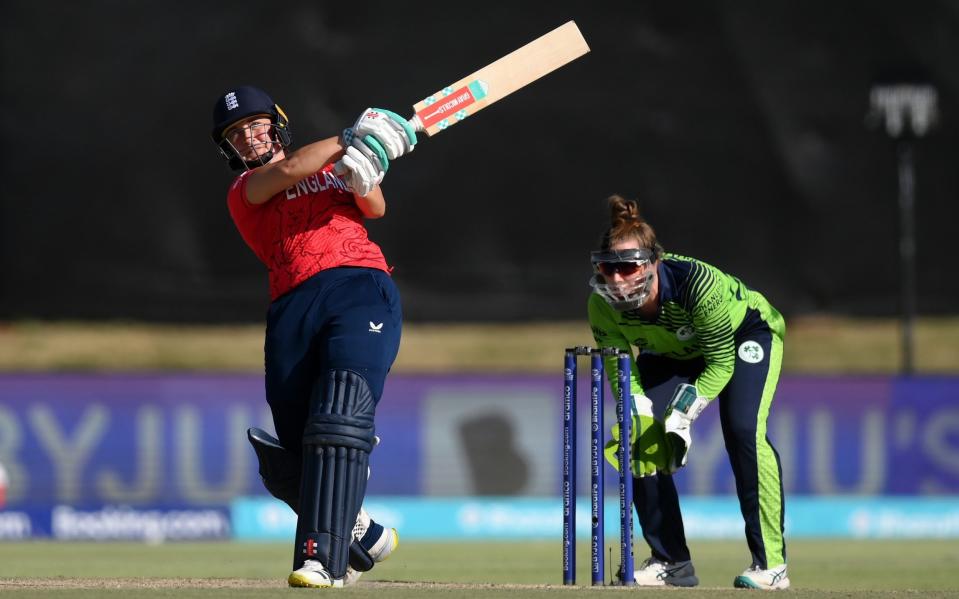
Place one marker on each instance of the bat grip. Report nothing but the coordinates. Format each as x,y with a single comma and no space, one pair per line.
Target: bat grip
414,122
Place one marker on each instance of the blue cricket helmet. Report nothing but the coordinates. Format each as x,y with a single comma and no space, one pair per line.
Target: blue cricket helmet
240,103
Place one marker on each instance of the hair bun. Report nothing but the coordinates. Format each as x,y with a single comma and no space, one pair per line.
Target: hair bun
626,224
622,211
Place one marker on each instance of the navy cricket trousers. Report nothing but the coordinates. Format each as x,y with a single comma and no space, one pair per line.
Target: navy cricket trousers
342,318
743,410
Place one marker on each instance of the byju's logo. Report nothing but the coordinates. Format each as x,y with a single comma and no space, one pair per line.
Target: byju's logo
231,102
376,328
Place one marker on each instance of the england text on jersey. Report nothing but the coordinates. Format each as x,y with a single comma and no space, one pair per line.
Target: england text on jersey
312,184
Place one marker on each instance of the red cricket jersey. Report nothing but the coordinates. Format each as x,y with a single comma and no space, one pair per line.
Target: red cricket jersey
304,229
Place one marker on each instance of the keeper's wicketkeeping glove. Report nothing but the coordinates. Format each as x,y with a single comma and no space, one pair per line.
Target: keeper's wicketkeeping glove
684,407
648,451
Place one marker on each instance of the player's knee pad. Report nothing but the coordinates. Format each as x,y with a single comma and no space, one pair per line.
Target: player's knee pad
337,442
279,468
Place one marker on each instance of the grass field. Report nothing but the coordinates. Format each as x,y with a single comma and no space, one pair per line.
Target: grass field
814,345
827,568
818,569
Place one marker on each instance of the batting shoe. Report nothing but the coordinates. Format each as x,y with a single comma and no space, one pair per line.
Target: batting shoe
657,573
754,577
312,574
378,541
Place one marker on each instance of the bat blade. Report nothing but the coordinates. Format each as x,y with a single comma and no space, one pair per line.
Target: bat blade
499,79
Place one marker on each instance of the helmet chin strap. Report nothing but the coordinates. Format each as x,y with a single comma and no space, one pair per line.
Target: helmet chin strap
260,161
237,163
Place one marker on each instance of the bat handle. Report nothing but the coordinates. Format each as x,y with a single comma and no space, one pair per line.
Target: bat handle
414,122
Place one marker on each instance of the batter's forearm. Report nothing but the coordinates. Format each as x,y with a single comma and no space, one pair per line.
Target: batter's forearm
310,158
373,204
269,180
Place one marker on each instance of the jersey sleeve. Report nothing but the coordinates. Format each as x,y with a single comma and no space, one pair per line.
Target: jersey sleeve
243,213
236,197
706,301
607,334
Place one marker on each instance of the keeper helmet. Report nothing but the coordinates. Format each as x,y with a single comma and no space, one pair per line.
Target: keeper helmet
631,291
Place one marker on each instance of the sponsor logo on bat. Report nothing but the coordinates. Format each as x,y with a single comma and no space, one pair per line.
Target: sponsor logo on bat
437,110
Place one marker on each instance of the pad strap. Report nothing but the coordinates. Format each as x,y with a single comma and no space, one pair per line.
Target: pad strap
360,558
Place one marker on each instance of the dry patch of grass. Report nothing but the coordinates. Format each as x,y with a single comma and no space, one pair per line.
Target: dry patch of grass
847,345
827,345
35,346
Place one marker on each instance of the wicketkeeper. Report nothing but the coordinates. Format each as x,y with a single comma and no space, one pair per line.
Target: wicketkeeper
702,337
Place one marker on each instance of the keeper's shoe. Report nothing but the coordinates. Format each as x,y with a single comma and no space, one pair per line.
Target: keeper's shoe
754,577
381,548
313,575
657,573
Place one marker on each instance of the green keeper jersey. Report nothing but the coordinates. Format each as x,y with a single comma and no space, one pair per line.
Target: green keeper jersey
701,311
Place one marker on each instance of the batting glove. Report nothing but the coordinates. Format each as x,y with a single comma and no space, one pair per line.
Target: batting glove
386,133
361,175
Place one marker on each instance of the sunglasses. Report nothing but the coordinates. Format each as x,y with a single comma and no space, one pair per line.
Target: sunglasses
625,269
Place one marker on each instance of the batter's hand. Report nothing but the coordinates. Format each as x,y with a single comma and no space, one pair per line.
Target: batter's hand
384,131
362,174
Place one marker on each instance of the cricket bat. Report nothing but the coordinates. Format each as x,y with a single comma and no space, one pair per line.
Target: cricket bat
469,95
464,98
